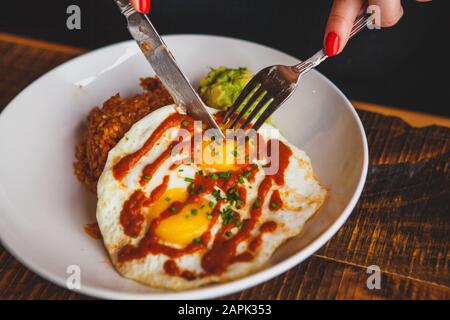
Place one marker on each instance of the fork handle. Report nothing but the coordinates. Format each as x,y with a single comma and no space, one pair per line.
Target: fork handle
360,23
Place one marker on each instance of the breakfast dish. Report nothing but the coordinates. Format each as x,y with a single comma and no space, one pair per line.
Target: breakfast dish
179,226
318,119
178,213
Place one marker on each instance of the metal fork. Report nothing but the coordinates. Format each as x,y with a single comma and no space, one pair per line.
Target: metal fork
272,86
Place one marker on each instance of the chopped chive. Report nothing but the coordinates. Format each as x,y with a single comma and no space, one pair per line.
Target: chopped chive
211,204
168,199
216,194
147,177
126,138
247,174
200,173
238,223
225,175
181,170
197,240
214,176
229,234
202,206
233,195
187,179
256,205
194,212
241,179
227,215
173,209
200,189
209,216
247,157
235,153
273,205
184,123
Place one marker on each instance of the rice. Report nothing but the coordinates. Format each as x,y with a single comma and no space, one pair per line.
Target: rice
105,126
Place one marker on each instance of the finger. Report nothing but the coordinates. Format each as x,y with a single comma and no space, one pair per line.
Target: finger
342,16
391,11
142,6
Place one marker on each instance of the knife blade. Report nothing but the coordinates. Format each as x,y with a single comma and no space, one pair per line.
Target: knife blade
164,65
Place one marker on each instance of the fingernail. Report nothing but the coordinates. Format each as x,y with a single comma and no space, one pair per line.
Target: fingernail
332,44
144,6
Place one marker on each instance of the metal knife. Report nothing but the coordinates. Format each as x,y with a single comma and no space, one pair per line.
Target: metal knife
164,65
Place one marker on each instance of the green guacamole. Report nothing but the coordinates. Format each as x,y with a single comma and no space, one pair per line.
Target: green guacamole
221,87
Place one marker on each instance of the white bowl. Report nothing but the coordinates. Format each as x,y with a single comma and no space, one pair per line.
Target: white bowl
43,207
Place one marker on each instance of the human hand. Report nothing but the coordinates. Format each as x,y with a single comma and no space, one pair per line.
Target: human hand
343,14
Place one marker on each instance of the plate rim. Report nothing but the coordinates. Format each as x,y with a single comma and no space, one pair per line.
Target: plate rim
225,288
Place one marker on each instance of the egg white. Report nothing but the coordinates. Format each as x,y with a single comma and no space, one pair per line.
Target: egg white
301,194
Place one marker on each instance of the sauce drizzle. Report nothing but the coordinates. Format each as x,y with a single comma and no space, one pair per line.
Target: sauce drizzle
92,230
223,251
276,202
124,165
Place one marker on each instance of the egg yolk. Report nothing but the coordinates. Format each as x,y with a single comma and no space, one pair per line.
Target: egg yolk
186,225
163,203
221,156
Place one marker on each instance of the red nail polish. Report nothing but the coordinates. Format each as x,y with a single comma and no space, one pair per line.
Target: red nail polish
332,44
144,6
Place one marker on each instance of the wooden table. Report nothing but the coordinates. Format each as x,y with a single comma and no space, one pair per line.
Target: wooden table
401,223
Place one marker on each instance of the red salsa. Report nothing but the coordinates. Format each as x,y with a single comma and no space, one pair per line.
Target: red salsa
233,230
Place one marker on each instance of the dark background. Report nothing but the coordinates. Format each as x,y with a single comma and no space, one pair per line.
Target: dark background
405,66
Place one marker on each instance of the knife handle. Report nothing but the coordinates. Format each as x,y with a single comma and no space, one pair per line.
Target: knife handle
140,28
125,7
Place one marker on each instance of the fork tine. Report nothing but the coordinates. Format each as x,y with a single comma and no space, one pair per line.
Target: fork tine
266,114
267,99
246,107
247,89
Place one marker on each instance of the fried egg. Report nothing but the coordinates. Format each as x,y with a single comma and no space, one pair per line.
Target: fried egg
176,224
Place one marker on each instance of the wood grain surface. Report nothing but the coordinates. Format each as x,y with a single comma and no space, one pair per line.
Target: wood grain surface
401,222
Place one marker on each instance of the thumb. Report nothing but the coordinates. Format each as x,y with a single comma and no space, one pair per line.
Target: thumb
391,11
